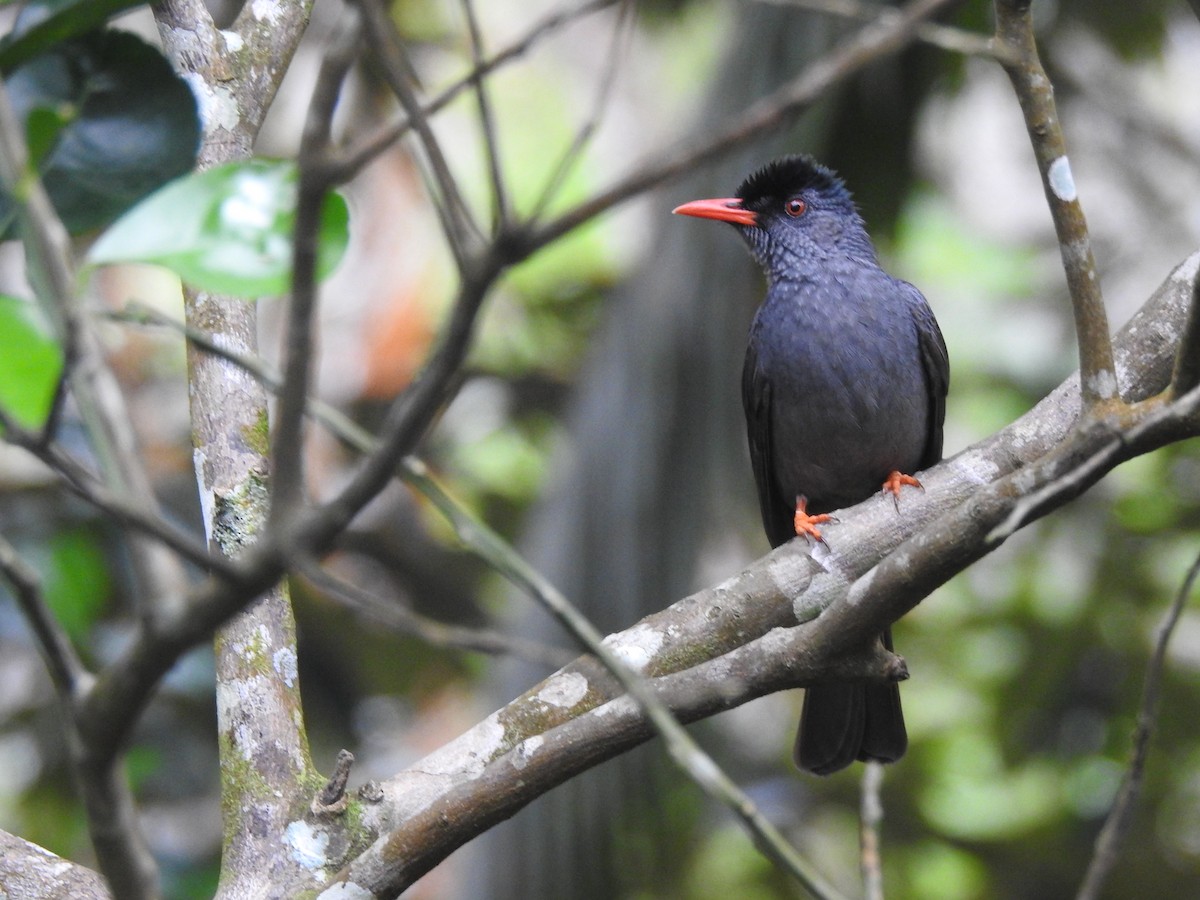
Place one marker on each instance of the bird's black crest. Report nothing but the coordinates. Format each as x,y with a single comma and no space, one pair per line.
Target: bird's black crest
787,176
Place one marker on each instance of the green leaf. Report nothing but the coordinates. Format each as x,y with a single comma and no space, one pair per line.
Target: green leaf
77,584
126,124
226,230
30,363
43,24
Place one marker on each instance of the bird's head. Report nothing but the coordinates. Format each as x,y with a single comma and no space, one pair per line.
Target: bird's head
793,212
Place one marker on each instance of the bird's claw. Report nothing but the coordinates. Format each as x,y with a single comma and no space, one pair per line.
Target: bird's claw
897,480
806,525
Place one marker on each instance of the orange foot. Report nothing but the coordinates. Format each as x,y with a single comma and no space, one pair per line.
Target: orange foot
806,524
897,480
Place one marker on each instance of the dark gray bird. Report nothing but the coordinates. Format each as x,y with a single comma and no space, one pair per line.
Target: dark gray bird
844,388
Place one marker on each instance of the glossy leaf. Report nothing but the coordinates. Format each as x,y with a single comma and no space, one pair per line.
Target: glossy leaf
43,24
226,230
108,120
30,363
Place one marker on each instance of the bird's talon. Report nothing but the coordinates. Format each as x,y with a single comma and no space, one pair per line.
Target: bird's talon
806,525
897,480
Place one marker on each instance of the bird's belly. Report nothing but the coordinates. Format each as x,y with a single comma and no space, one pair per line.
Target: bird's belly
841,426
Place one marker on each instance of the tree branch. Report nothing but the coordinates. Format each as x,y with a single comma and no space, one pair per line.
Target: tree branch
723,646
29,872
1187,363
287,458
459,225
883,36
487,122
1120,817
66,670
1035,93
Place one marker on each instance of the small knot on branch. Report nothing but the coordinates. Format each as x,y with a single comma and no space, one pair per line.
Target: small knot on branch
331,799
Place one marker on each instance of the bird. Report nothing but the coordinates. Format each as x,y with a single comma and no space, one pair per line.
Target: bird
844,389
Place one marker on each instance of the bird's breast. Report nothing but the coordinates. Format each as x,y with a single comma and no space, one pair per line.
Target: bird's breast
848,399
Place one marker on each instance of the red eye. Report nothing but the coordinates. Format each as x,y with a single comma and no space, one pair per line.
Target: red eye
795,207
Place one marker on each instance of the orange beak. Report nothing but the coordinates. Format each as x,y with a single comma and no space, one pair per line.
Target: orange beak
728,209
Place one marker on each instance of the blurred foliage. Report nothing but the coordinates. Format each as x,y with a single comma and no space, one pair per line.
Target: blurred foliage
107,119
227,229
30,363
1027,669
77,585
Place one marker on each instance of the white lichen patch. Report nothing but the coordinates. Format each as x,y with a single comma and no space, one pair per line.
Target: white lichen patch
306,844
345,890
622,706
790,573
284,662
467,754
637,646
1104,384
1186,271
525,751
1061,181
976,468
233,41
268,11
217,105
208,498
564,691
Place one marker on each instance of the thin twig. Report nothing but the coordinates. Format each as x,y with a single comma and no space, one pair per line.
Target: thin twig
870,817
944,37
1116,825
98,397
66,670
88,487
458,223
1035,93
1142,419
357,157
487,121
287,458
1187,363
885,35
697,764
399,617
621,33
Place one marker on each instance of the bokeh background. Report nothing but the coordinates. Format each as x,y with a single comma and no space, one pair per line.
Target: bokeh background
599,428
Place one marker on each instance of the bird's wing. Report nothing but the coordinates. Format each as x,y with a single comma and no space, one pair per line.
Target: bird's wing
777,511
935,363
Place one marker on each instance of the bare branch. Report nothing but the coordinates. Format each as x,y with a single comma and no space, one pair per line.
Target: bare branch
622,29
944,37
883,36
287,462
387,47
241,65
30,872
400,618
1187,363
870,816
1035,93
372,146
722,646
487,121
66,670
1120,817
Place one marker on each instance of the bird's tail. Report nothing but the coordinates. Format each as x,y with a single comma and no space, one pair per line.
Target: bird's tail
845,721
